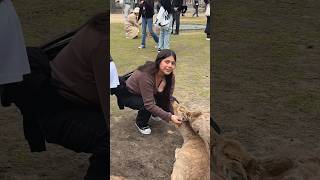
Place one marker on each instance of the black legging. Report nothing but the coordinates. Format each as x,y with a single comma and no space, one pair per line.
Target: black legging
176,19
135,102
79,128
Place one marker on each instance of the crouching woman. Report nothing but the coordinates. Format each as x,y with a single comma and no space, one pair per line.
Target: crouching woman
149,90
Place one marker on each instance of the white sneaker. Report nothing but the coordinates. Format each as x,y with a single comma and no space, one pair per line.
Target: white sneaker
145,130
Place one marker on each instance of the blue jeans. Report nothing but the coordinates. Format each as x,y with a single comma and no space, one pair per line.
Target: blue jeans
148,22
164,38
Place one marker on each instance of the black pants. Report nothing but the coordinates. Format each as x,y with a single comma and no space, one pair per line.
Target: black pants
79,128
176,19
207,30
49,116
196,11
135,102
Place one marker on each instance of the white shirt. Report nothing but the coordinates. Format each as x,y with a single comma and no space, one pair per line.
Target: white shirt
114,77
13,56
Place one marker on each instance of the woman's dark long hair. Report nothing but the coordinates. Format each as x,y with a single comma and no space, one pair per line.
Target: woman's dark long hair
99,22
153,67
166,4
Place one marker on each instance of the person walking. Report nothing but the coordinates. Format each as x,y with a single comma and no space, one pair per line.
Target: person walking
177,6
196,8
164,22
184,7
146,12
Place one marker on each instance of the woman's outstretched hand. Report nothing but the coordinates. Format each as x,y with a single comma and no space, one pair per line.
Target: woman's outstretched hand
176,120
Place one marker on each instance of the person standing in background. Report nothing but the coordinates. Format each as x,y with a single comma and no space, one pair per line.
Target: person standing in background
165,24
14,60
147,12
126,9
177,5
196,8
184,7
157,6
207,13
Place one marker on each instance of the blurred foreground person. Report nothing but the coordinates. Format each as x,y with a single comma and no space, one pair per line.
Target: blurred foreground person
13,61
65,101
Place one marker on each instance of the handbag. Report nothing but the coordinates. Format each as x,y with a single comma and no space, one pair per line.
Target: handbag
163,18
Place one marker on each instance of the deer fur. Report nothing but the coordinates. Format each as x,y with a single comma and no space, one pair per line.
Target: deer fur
192,159
117,178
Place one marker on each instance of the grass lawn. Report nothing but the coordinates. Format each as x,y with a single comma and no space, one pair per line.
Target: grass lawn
43,21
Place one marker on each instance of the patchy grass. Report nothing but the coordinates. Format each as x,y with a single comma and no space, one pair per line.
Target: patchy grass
43,21
266,71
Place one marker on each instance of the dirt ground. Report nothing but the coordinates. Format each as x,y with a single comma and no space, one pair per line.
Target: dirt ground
17,163
265,85
140,157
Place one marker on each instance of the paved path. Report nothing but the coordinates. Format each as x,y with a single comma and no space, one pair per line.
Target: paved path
191,27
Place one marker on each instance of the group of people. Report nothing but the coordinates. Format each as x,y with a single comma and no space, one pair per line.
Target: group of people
168,14
145,12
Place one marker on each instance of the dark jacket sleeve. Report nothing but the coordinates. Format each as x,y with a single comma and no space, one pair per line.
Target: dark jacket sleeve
100,66
179,5
140,11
